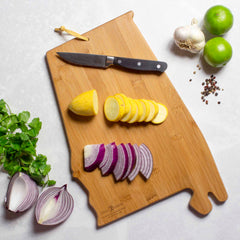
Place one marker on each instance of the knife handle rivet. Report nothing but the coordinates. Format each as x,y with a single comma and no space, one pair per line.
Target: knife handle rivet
119,61
139,64
158,66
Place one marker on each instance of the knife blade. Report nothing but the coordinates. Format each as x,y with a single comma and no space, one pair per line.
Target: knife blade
104,61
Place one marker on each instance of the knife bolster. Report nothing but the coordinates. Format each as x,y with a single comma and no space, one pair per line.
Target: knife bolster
109,61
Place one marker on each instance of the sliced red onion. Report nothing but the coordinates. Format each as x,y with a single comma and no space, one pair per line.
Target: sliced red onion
54,206
131,159
93,156
138,163
106,155
122,162
112,158
22,193
147,161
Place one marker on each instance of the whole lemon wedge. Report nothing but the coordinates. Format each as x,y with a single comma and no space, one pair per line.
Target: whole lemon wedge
85,104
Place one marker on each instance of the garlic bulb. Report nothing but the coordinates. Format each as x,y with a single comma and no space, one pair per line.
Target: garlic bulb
190,37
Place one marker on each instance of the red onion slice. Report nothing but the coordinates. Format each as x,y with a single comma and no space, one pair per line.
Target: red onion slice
112,157
147,161
106,155
22,193
93,156
54,206
138,163
122,162
131,159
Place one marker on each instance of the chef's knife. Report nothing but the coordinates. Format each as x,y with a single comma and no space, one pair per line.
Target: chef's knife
103,61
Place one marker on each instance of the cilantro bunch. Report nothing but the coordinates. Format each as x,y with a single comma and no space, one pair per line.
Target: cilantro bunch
18,139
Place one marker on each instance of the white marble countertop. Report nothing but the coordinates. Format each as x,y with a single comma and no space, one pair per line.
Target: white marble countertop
27,33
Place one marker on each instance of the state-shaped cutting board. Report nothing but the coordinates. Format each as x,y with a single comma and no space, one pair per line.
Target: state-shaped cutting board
181,157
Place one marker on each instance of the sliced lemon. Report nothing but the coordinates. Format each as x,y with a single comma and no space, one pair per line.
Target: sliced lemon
85,104
130,113
140,109
146,109
161,115
125,101
114,109
153,111
134,111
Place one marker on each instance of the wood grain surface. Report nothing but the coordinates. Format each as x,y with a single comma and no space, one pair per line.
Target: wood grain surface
182,159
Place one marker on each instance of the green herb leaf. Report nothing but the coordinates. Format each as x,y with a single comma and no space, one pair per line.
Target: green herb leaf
12,167
24,116
23,136
51,182
35,126
3,107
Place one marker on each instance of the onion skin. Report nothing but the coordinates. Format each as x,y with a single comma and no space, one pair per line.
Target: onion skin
54,206
28,190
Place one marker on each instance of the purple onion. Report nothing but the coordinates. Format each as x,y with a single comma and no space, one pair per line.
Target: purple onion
111,161
122,163
93,156
54,206
147,161
22,193
106,155
131,159
138,163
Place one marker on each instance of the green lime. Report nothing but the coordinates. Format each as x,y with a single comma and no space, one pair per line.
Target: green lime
218,20
217,52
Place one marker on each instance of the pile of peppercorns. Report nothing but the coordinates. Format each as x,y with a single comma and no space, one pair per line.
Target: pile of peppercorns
210,87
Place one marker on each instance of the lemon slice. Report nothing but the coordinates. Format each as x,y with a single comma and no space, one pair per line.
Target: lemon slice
134,111
140,109
131,112
153,111
85,104
161,115
146,109
114,109
125,101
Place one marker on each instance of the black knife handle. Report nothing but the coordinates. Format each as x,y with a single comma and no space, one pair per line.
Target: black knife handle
140,64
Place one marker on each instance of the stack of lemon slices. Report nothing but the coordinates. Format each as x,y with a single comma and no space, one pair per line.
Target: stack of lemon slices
125,109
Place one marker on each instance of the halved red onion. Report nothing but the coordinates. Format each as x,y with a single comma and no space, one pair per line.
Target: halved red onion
138,163
122,162
147,161
22,193
131,159
93,156
54,206
112,158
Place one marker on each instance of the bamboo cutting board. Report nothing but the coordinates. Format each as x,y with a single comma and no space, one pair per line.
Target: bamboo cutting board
182,159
